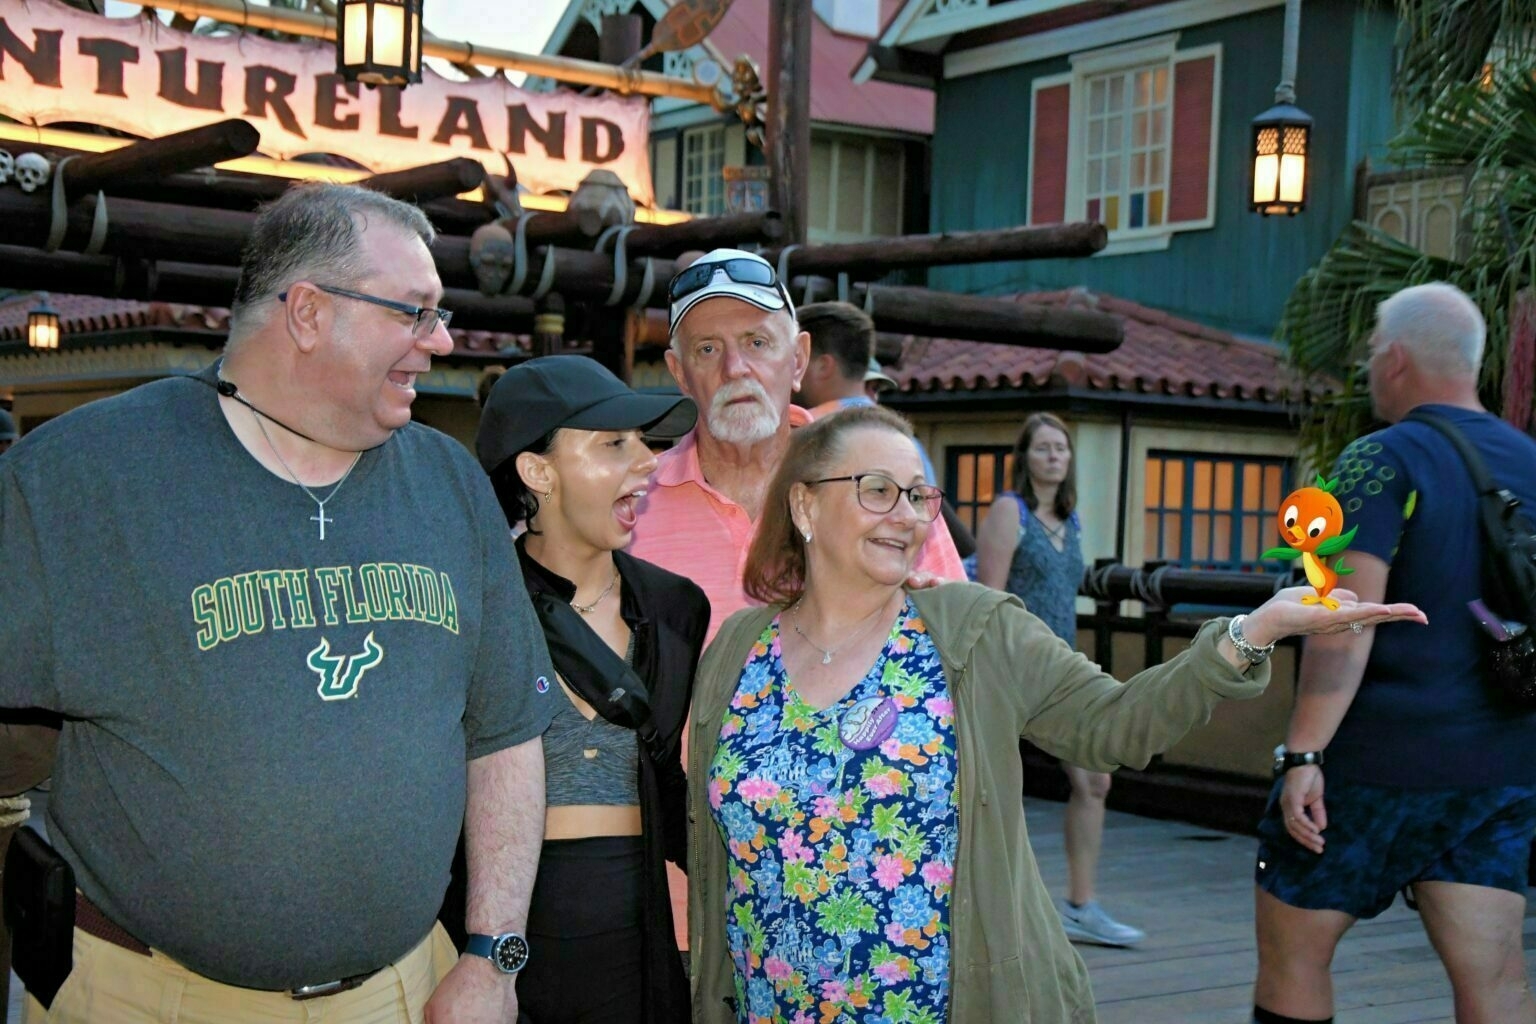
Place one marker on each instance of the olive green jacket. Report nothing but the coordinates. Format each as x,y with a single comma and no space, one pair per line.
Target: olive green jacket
1009,677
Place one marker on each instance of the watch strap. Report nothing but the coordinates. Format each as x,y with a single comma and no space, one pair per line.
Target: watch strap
1297,758
480,945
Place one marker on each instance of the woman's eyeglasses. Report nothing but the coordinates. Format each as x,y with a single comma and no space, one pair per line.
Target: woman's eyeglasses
878,493
425,321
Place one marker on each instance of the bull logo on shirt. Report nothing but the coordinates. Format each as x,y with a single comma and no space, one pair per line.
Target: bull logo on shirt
340,673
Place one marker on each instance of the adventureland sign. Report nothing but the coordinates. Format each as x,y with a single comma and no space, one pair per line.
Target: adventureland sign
139,76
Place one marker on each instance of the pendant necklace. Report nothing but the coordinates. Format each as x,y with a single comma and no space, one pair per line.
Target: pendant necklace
320,518
827,653
587,609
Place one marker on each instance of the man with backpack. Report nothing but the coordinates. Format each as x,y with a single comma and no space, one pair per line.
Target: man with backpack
1431,778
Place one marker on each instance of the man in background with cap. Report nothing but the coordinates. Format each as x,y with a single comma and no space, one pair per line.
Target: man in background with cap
843,374
739,353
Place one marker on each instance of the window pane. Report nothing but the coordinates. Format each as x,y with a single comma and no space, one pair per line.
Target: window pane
1114,134
1171,548
1272,493
1159,127
1097,91
1143,88
1160,85
1139,130
819,186
1173,484
850,188
1202,490
1155,165
1139,171
1095,137
885,205
965,478
1253,492
1154,481
1117,93
1112,174
1200,541
1221,540
1153,537
1223,486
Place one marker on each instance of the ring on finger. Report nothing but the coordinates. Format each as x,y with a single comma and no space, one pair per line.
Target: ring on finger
1356,628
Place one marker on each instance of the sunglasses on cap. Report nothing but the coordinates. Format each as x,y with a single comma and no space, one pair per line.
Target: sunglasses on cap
739,269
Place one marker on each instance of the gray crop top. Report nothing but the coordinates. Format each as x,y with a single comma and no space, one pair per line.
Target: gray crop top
609,776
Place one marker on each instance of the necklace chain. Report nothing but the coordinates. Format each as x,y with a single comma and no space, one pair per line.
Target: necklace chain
320,518
828,653
587,609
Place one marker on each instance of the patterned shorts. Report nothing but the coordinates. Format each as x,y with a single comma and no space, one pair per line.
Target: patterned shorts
1381,839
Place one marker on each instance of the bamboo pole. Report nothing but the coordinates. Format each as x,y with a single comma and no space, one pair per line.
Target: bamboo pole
880,255
626,81
442,180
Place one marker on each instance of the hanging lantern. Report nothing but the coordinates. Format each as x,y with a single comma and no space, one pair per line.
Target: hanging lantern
43,325
378,42
1280,139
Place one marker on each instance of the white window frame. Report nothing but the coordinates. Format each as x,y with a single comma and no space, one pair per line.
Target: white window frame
1141,53
711,138
869,145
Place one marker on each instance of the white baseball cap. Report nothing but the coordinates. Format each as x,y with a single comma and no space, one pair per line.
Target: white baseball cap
726,272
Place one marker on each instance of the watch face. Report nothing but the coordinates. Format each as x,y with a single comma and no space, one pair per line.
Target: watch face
510,953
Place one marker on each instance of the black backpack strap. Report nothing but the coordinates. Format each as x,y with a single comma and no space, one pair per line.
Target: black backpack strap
1469,455
601,678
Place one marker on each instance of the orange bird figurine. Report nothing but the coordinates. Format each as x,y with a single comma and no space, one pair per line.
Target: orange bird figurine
1311,519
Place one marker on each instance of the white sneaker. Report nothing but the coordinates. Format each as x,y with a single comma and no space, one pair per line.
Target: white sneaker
1089,923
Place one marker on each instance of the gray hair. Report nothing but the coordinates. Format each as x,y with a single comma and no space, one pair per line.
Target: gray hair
1439,325
313,229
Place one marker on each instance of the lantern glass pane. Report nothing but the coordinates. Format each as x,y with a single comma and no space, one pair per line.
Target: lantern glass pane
389,34
1293,176
1266,178
354,43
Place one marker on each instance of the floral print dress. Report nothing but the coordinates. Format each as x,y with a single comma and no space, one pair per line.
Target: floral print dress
840,827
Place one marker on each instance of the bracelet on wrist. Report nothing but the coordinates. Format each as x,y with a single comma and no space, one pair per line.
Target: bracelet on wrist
1245,650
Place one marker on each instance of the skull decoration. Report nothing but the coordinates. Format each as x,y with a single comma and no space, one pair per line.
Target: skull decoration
601,200
491,256
31,171
7,166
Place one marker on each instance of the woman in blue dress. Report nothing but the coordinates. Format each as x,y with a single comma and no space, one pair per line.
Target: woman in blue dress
1030,544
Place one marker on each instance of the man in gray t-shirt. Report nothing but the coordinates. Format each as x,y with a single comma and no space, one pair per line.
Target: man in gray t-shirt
293,651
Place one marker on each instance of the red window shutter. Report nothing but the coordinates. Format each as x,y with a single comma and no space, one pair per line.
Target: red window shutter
1048,154
1189,178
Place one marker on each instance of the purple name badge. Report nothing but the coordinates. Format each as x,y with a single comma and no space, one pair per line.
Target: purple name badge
867,724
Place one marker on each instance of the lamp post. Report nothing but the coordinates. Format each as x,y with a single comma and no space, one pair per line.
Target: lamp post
1281,137
378,42
43,325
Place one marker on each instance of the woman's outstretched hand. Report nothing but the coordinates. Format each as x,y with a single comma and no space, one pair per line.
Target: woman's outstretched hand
1285,615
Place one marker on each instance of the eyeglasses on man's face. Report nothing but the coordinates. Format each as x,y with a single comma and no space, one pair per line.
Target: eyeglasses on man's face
425,319
879,494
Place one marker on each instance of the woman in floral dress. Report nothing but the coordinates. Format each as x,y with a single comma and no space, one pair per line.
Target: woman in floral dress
857,843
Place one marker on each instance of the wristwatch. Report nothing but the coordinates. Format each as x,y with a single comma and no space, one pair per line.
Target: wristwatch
1285,760
1245,650
508,951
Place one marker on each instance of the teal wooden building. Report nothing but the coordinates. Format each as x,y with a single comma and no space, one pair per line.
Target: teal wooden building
1138,115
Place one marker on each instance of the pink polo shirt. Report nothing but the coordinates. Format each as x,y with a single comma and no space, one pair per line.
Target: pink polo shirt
692,529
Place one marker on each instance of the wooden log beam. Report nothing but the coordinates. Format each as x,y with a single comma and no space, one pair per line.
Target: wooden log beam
207,285
430,181
732,229
881,255
153,231
934,314
155,158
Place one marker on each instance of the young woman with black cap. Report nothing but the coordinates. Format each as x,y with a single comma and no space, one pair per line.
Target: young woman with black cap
562,439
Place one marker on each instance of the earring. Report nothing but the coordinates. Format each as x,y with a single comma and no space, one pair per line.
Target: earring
547,495
807,536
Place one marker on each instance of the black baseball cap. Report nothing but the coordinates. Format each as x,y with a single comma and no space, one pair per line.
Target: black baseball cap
537,397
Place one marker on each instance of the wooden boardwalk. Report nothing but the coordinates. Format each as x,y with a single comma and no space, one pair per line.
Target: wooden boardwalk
1191,890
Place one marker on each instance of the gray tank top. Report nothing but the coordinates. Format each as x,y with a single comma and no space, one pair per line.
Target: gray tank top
593,762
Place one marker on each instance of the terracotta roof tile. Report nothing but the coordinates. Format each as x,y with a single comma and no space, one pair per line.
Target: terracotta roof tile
86,314
1162,354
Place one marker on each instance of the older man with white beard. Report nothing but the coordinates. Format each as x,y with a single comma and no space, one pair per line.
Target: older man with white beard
738,352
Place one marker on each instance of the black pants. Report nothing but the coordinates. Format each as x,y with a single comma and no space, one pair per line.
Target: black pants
584,934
